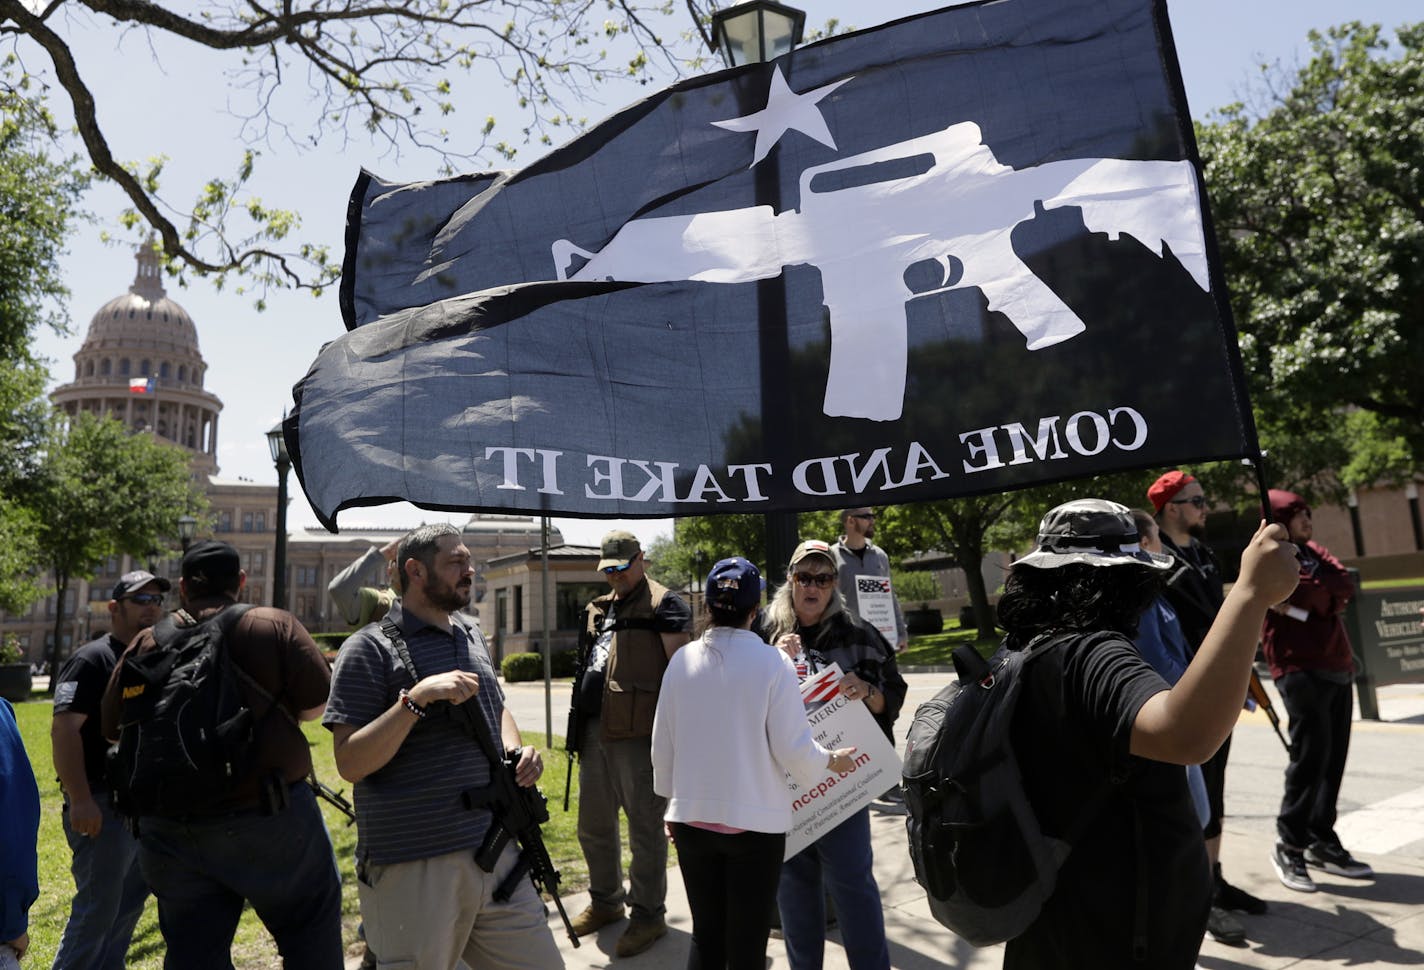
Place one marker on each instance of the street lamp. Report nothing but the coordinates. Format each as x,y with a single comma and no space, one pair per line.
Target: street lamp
757,31
187,526
751,33
277,444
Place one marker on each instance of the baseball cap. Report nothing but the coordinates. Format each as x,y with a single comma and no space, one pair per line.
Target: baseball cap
619,548
734,584
1162,491
138,579
213,564
812,547
1091,531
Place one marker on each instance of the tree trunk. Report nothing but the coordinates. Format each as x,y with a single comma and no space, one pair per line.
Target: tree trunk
61,587
971,561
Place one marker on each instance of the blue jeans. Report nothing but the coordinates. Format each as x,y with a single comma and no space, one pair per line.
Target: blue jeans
843,856
109,893
202,870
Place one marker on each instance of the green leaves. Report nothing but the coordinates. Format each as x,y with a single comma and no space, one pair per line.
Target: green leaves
1319,204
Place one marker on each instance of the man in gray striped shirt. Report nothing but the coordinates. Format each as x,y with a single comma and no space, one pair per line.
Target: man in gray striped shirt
423,897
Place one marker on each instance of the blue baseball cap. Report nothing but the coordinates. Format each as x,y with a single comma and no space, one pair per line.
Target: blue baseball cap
734,584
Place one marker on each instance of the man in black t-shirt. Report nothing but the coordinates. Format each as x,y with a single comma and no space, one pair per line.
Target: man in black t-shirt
1194,589
109,890
1099,731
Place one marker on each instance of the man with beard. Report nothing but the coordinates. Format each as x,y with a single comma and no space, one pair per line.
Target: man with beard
856,556
1194,590
425,901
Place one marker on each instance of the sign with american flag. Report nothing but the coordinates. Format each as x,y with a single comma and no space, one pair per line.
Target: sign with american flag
838,722
875,604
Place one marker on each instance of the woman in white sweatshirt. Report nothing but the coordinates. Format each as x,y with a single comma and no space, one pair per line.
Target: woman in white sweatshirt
729,725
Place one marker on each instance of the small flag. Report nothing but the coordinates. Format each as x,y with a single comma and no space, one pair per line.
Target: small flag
141,385
871,584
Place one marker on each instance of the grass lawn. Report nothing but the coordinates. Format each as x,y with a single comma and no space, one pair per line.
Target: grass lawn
252,948
1386,583
936,649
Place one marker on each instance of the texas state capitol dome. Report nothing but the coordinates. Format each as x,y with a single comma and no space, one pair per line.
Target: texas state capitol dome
143,334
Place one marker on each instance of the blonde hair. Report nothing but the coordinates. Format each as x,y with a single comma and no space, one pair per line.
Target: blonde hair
781,612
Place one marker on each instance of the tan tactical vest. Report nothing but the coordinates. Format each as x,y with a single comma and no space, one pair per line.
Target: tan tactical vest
636,661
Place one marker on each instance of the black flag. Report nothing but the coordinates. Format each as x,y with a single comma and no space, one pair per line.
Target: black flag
944,256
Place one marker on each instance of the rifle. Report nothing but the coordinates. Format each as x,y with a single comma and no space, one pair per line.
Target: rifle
574,728
1257,692
516,813
332,797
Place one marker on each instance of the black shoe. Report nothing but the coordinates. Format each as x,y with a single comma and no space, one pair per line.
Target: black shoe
1225,928
1334,858
1229,897
1289,864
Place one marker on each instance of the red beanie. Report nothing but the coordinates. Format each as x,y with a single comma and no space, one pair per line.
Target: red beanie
1284,505
1166,487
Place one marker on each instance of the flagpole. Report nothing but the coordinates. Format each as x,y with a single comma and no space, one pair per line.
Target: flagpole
548,647
773,349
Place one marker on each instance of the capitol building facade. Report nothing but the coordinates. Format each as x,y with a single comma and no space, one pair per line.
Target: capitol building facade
140,362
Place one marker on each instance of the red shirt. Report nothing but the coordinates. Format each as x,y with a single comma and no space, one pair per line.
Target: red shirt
1317,642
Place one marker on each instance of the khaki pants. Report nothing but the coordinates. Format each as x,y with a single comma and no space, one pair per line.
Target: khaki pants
430,913
617,775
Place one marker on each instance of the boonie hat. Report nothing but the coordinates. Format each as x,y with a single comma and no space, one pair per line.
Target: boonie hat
138,579
812,547
212,563
1162,491
734,584
1091,531
619,549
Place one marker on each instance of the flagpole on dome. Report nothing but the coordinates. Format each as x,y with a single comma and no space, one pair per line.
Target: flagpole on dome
752,33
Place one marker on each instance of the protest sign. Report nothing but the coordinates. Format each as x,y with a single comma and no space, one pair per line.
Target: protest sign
839,723
875,604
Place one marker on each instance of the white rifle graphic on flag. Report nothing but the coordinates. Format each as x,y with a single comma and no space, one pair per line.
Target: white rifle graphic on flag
863,223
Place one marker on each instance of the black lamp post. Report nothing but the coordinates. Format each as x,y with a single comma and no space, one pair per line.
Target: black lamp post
756,31
278,446
750,33
187,527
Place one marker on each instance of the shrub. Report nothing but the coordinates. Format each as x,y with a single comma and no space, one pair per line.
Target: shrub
914,587
522,666
530,666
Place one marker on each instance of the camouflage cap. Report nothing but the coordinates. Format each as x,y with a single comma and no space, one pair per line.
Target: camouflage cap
619,549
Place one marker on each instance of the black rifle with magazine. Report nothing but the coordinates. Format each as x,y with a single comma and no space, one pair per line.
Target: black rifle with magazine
516,811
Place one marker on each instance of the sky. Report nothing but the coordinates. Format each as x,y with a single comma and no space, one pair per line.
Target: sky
158,98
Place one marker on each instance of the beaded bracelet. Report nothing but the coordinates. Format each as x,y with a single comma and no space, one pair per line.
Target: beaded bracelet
411,705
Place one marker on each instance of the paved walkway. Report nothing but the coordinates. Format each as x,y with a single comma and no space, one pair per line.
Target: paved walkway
1356,924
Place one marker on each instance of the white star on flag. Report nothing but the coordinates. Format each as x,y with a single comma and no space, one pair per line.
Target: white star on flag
785,109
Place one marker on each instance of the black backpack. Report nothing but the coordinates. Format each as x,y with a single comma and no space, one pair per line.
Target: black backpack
975,840
186,732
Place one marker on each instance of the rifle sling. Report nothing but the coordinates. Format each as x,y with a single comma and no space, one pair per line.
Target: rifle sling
492,751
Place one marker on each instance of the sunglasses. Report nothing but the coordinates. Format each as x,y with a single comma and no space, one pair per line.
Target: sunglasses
863,515
145,599
818,580
1198,500
610,570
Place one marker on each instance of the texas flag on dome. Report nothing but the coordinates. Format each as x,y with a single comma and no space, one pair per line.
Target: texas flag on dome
928,259
141,385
